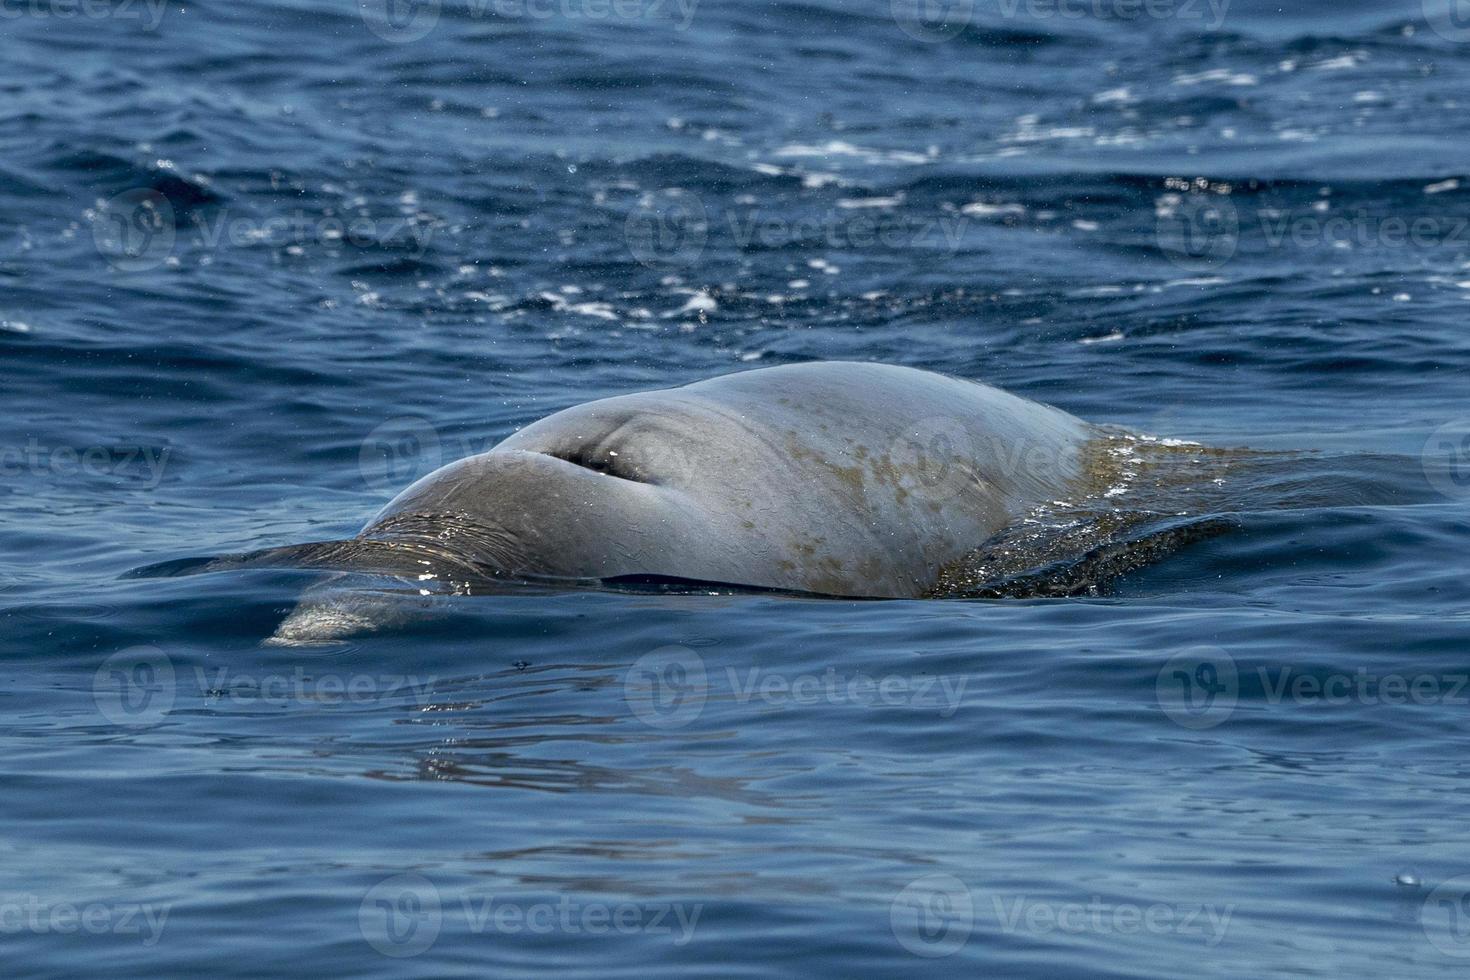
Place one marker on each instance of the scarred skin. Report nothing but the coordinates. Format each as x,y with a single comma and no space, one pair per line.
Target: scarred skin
838,478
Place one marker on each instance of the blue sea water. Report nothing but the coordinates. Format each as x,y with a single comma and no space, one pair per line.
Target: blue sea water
263,263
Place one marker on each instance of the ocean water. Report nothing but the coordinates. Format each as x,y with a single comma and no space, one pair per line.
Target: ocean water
264,263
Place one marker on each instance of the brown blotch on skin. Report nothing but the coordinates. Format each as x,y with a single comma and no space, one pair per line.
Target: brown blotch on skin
849,476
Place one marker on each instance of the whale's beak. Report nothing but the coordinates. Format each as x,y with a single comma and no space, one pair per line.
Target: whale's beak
330,612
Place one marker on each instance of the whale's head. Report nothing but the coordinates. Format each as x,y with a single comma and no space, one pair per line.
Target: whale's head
583,497
522,514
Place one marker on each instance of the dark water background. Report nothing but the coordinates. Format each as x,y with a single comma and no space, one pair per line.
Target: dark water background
263,263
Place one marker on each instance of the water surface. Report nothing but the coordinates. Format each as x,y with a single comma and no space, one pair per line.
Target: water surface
262,264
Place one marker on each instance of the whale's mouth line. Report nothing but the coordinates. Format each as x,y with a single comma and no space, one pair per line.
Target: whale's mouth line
421,546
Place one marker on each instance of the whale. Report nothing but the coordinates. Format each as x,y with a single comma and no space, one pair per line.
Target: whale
827,478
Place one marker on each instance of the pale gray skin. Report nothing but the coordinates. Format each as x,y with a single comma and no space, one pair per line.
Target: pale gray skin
834,478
